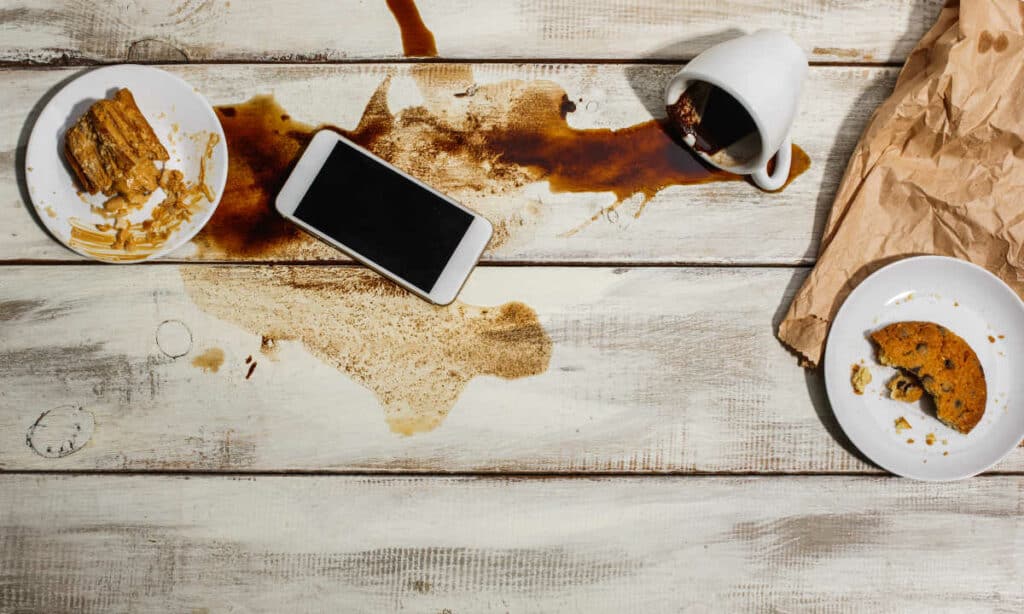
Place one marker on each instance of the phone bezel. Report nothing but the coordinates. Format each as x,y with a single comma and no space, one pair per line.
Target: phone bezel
463,259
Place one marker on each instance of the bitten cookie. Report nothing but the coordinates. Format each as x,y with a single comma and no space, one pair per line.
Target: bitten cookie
945,365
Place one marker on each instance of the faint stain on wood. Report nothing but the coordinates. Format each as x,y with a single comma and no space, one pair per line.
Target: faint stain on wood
61,431
174,338
812,536
210,360
15,309
162,560
155,50
415,357
113,376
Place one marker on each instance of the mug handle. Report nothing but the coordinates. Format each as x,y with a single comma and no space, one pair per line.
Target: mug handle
783,160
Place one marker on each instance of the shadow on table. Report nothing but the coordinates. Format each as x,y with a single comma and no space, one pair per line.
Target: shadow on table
651,91
921,18
22,147
814,379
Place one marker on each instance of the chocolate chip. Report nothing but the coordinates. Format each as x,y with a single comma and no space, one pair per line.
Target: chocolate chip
949,364
958,404
922,348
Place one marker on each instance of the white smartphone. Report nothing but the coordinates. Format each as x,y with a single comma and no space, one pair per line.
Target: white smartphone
398,226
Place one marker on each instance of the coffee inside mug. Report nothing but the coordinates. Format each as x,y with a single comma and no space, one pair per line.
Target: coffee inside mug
717,125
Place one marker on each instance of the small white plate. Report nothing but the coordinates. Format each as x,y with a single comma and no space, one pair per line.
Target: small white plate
181,118
967,300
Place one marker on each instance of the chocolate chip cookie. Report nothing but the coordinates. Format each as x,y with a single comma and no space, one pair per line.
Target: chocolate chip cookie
943,363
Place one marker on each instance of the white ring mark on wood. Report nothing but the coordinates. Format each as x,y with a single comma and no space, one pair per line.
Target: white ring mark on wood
174,338
61,431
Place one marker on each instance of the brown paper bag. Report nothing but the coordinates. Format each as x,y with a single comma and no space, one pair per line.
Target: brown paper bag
939,169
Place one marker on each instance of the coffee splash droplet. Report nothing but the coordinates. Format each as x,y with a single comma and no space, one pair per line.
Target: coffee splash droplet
415,357
480,149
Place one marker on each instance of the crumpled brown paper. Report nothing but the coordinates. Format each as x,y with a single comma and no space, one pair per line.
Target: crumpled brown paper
939,169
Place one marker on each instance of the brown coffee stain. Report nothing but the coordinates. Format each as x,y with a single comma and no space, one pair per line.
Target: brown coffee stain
984,41
415,357
210,360
997,44
481,148
1001,43
417,39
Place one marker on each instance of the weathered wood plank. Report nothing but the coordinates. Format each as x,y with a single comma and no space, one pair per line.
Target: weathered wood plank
272,544
714,223
53,31
648,370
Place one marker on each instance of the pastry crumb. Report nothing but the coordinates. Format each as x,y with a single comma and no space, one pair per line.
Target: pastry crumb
860,377
902,425
946,453
991,339
929,438
910,440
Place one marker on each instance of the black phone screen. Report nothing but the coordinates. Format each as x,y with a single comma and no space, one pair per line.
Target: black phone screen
370,209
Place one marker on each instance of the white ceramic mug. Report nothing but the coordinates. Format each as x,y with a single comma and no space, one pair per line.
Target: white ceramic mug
764,72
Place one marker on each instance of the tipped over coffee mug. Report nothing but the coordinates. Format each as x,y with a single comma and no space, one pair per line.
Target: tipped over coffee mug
734,104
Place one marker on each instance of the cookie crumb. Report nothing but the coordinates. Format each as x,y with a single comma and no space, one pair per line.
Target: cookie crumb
860,377
929,438
945,442
902,425
946,453
904,388
910,440
991,339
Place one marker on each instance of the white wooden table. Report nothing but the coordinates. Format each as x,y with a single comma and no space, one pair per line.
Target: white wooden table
663,453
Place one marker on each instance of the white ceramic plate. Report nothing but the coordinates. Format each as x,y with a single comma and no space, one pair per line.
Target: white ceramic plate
967,300
181,118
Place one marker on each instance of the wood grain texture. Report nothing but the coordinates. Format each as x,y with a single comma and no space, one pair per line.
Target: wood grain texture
108,544
652,369
82,31
731,223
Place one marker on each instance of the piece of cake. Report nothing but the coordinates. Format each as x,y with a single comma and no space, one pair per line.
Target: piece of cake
112,148
904,388
943,363
860,377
